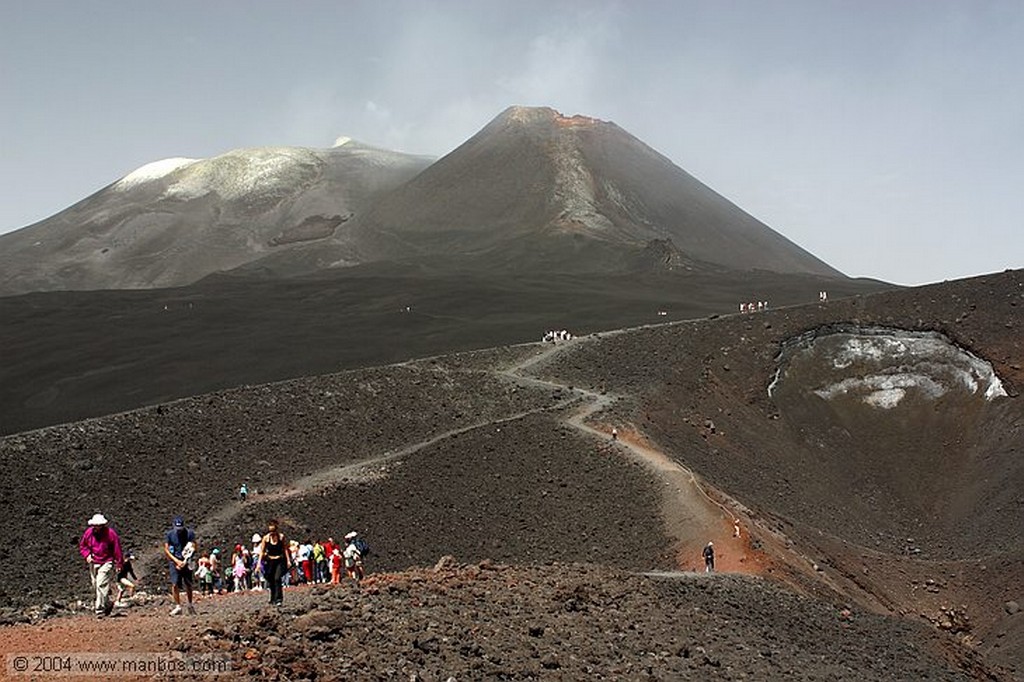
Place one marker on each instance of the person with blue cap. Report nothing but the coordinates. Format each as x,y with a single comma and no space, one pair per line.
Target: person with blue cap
180,548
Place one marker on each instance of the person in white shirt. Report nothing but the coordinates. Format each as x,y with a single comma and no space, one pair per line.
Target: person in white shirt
353,557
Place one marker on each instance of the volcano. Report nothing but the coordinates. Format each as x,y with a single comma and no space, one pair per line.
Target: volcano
212,272
536,191
175,221
533,192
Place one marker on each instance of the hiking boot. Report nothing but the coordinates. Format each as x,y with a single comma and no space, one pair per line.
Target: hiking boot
108,608
176,611
191,610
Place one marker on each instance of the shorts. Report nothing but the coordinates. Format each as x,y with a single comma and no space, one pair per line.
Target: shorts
182,577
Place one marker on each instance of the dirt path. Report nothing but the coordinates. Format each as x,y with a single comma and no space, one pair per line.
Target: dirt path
691,516
693,512
367,469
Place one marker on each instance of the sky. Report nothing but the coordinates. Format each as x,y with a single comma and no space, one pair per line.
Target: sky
886,138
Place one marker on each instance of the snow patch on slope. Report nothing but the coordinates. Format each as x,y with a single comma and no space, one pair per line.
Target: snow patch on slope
153,171
265,171
881,367
257,173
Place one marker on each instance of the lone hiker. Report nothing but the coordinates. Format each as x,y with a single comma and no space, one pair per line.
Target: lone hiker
180,548
101,548
243,493
615,433
709,557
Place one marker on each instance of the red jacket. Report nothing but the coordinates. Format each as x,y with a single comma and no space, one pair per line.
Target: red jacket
104,546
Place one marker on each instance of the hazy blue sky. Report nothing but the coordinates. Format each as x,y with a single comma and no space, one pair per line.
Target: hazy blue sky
885,137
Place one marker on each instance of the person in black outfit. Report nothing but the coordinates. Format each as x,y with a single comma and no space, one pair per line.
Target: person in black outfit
276,557
126,578
709,558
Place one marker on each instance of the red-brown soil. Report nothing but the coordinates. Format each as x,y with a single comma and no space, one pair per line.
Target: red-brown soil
490,621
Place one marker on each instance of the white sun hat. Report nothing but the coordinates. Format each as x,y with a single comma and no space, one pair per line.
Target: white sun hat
98,520
351,535
256,537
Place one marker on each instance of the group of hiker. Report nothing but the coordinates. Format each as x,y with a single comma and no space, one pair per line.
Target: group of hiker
556,335
272,563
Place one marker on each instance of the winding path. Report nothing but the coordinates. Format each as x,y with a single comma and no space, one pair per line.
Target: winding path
692,516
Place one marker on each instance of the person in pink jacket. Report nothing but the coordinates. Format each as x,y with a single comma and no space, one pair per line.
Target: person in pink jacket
101,548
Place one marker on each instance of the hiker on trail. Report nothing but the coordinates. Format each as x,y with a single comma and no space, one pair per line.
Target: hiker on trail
709,557
247,560
215,569
100,546
205,576
735,528
294,574
276,556
257,582
303,558
238,569
180,548
320,569
243,492
336,561
126,579
615,433
353,555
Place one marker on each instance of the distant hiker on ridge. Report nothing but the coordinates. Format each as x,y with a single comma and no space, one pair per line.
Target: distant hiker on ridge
243,493
180,548
709,557
101,548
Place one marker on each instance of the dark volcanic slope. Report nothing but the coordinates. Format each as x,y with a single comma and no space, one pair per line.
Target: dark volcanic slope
328,454
72,355
537,191
945,471
528,490
914,503
172,222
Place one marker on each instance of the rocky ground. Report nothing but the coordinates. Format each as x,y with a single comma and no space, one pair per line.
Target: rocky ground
554,621
504,456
